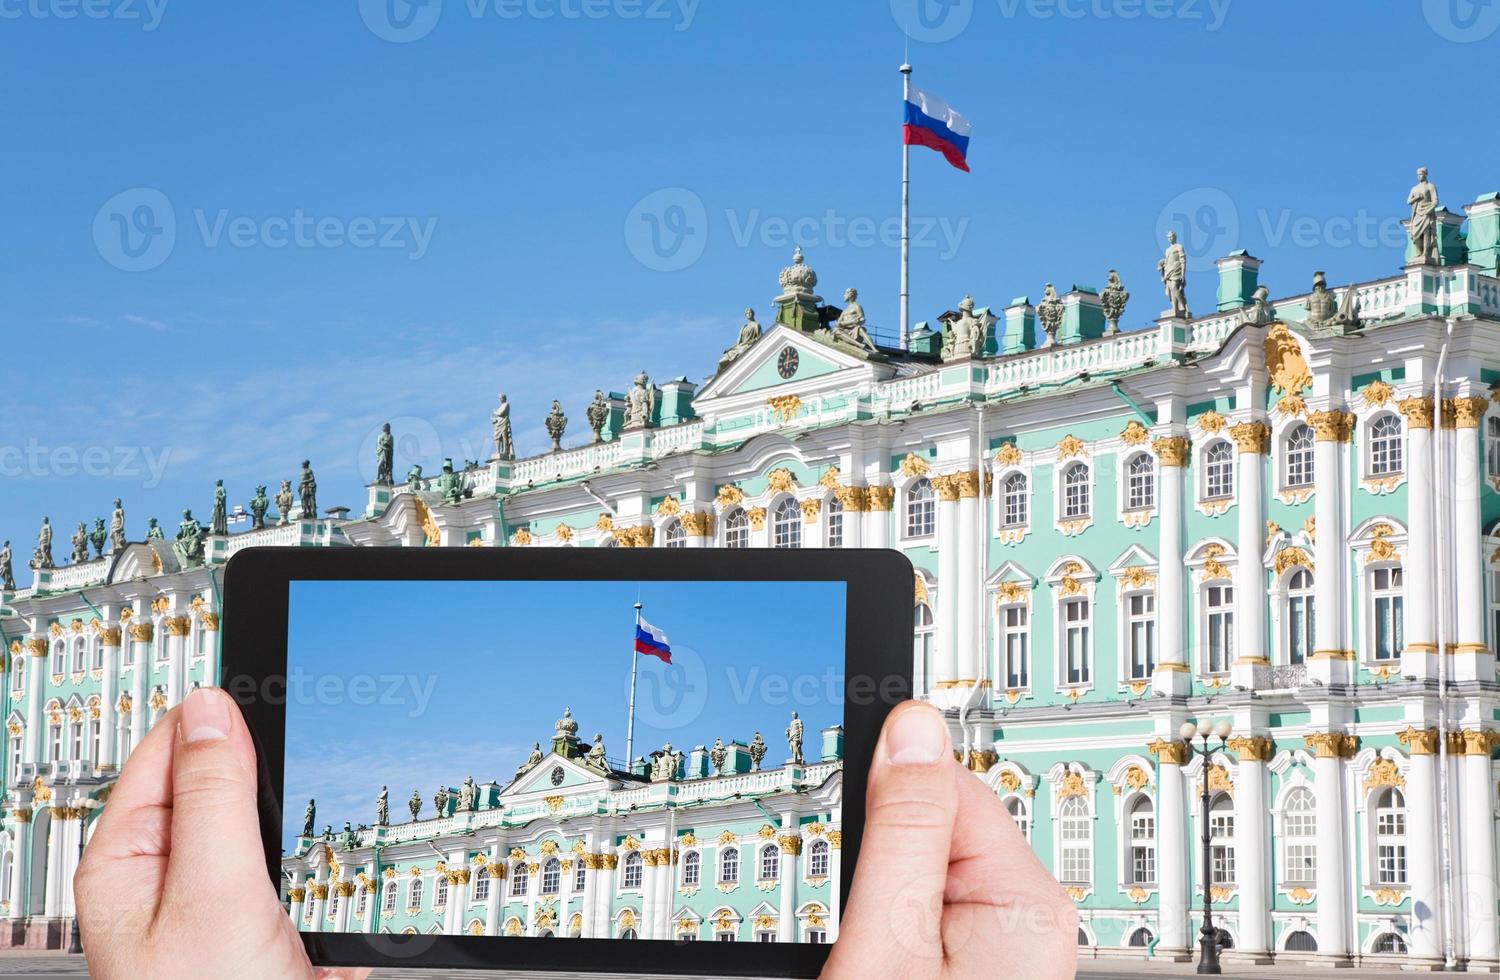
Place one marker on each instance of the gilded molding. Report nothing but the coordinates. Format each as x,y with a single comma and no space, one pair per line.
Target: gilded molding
177,625
1332,745
1477,742
1377,393
780,480
344,889
790,844
729,495
296,895
1253,748
1072,785
1285,365
1134,434
1252,437
1417,411
785,406
914,465
1384,772
946,487
1211,422
882,498
1332,425
1069,446
110,636
1465,413
36,646
810,510
698,523
1008,455
1171,450
318,890
142,632
1169,753
757,517
1290,557
669,507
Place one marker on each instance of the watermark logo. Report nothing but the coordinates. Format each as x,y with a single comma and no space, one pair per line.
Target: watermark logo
415,441
1462,21
136,230
1212,13
148,13
667,230
670,696
1207,224
932,21
400,21
33,459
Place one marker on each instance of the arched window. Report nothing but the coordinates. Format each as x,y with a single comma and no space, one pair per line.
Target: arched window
1221,840
16,742
627,934
96,738
482,884
388,899
1016,807
1218,471
75,737
1142,842
922,640
1299,839
58,666
80,656
1083,937
414,897
921,509
551,877
440,891
1076,491
674,535
833,523
1301,941
737,529
5,869
18,675
1140,482
518,878
1387,602
729,865
1390,838
580,876
1299,617
692,869
1014,501
1075,837
54,741
1385,446
1389,942
633,872
770,863
1141,938
817,859
1297,462
99,653
786,524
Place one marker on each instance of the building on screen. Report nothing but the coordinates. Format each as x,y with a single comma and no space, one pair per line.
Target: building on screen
1219,516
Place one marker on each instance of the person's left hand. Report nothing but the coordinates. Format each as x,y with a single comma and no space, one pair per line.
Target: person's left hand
173,882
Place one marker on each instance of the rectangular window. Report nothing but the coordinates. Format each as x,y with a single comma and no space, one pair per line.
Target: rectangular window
388,902
54,743
1219,629
1301,864
1076,641
1142,849
15,755
1299,628
1014,639
580,876
835,523
98,655
1386,587
1221,850
96,740
1141,638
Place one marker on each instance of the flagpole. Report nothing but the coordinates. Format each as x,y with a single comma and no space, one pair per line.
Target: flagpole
905,217
635,659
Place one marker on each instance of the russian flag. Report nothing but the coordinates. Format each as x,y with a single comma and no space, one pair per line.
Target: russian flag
932,123
652,642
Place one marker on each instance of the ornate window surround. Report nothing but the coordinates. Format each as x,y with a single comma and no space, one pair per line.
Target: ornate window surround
1377,543
1067,582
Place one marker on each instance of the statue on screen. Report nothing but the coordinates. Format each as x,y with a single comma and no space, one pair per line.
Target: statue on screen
189,542
383,807
850,326
640,402
98,537
718,755
749,334
385,456
309,814
259,504
284,501
349,839
42,556
415,803
7,575
598,414
117,528
757,750
1173,269
450,484
595,755
1422,228
154,531
794,740
218,520
307,489
505,447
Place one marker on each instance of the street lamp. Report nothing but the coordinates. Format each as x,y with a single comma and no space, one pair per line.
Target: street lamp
87,805
1208,946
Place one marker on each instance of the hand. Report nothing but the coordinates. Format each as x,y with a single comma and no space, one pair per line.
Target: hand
173,882
946,888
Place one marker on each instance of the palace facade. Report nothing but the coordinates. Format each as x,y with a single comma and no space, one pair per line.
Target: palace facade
1279,513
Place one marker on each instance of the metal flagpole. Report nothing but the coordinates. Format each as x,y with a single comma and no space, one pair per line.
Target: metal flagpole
905,217
635,659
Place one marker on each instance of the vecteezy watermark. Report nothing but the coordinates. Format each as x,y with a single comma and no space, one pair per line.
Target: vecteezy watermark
1462,21
668,230
935,21
301,687
136,230
147,463
404,21
1359,230
1207,224
147,13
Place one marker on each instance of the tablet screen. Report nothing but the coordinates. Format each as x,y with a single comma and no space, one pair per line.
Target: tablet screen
598,759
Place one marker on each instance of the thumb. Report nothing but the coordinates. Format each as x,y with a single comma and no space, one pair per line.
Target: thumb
894,914
214,819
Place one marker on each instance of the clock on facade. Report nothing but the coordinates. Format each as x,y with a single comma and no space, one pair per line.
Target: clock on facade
557,775
786,363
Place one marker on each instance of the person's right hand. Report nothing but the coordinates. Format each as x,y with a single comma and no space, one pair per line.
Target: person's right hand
946,887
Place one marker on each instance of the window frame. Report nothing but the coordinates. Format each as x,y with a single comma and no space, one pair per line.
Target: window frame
1139,851
1064,640
1290,595
1385,451
833,522
1075,501
1224,612
1218,463
673,534
736,524
1388,830
1068,849
1005,631
727,861
786,516
1139,488
1137,626
1222,837
1299,805
1015,489
1305,455
1392,600
918,509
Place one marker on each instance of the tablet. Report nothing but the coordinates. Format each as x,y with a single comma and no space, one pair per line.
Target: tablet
572,760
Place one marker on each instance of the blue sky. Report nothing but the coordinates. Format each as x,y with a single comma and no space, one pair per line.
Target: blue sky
394,213
455,679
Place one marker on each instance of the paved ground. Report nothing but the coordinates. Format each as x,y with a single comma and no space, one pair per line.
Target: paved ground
19,964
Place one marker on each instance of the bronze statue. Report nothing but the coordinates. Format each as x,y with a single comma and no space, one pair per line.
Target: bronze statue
385,456
284,500
598,414
41,557
98,538
556,424
7,575
307,489
117,528
189,542
153,532
259,504
218,521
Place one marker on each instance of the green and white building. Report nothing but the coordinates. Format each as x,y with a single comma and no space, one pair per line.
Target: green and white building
1280,513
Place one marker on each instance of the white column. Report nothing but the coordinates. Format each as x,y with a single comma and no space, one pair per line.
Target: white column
296,894
1473,659
1332,821
1418,658
565,895
1252,837
318,894
1478,830
950,590
1172,846
1253,439
666,882
140,638
497,892
854,518
177,628
590,886
344,892
109,692
1173,674
1332,659
968,654
36,681
880,499
458,899
57,844
20,857
835,863
372,897
650,913
1424,939
791,847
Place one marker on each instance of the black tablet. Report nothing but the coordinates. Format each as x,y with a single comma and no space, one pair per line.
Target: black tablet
580,760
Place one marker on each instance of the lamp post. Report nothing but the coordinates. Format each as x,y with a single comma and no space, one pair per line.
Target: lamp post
1208,946
86,806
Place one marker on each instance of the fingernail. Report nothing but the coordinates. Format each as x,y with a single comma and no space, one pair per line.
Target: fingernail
205,717
918,737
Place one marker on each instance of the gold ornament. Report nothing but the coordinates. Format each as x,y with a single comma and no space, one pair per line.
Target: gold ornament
1332,425
1009,455
729,495
1134,434
1332,745
1285,364
1211,422
1251,437
1377,393
1070,446
1255,748
1292,557
785,406
1171,450
1169,753
1384,772
669,507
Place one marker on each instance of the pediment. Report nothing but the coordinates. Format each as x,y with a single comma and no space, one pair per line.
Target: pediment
767,365
575,776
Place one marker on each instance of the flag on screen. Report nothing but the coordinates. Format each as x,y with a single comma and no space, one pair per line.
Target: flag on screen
932,123
652,642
